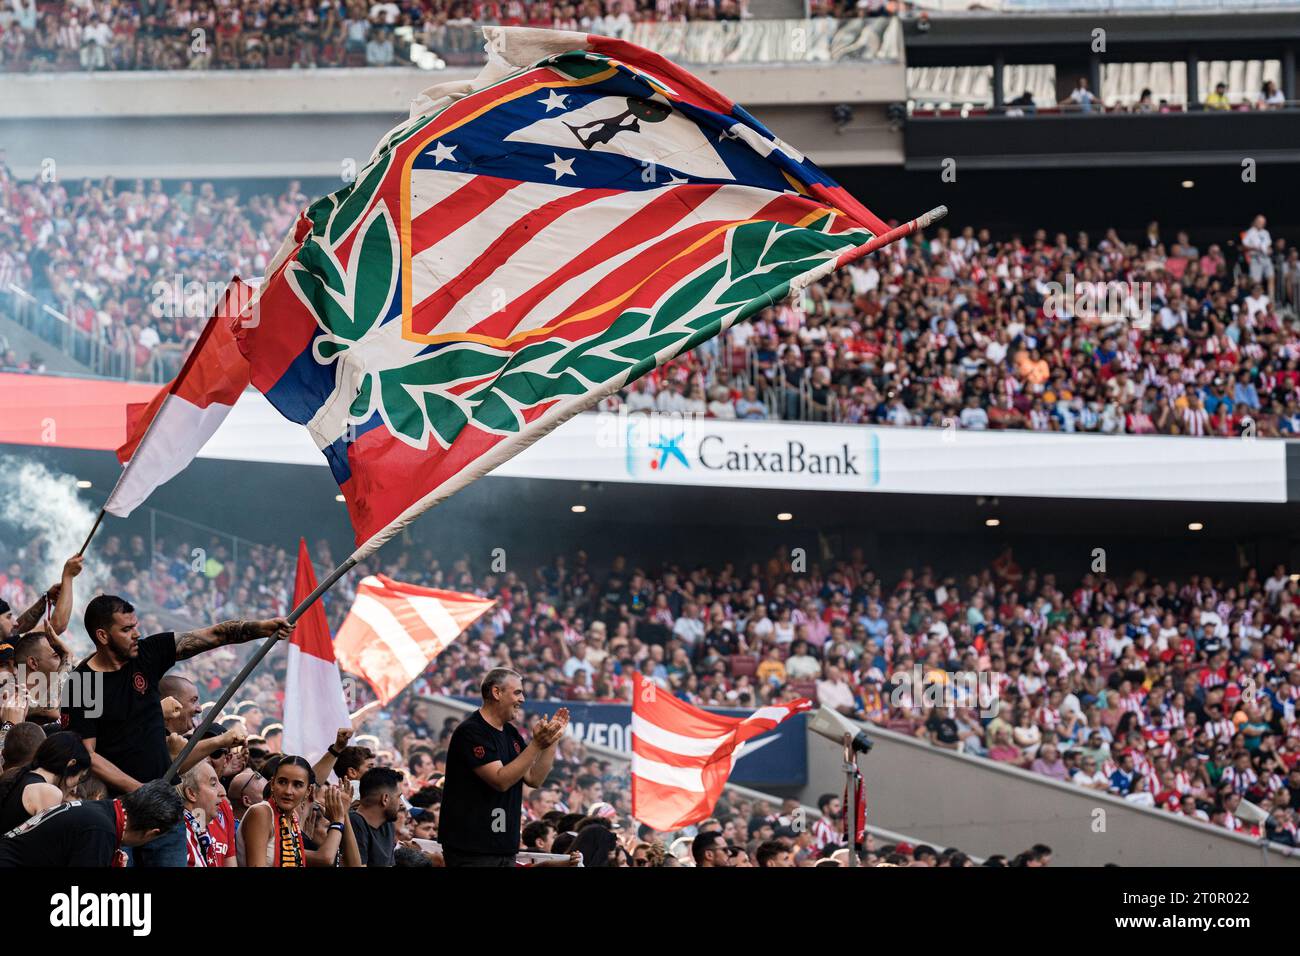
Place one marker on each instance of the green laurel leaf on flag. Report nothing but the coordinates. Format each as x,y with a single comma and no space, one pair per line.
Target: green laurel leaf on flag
772,285
689,296
358,199
360,407
429,378
747,243
494,413
319,285
596,368
319,213
526,389
805,243
374,268
346,315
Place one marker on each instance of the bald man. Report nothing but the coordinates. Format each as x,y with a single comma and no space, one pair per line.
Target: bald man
187,695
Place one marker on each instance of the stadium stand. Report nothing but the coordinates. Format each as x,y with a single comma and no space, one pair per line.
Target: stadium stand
162,35
1175,694
962,330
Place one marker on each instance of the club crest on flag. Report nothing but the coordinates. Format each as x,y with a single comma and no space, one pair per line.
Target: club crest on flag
512,254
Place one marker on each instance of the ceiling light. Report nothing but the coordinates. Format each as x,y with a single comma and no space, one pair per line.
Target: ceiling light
83,483
1188,184
1196,526
785,516
578,509
991,522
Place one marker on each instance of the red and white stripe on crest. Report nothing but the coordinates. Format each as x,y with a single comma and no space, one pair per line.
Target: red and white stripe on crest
682,756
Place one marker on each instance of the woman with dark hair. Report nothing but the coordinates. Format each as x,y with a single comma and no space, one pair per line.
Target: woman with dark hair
271,833
57,768
597,845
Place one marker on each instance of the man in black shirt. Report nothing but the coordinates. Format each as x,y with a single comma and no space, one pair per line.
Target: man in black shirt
90,832
488,764
115,706
375,821
942,730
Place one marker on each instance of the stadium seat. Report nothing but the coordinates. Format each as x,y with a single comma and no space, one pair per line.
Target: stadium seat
804,688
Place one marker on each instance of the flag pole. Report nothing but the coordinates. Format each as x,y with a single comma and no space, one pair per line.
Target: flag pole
215,710
898,232
93,528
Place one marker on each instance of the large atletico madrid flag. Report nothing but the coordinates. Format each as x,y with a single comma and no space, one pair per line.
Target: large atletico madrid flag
682,756
395,630
164,436
315,708
528,243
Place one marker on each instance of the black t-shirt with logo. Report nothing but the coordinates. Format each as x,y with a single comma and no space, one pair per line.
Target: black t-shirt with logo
80,833
475,817
122,709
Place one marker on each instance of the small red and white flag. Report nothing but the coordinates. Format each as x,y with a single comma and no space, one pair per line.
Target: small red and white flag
395,630
682,756
315,707
166,435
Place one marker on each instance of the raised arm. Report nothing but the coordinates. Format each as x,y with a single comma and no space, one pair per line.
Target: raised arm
32,616
229,632
325,766
61,595
205,748
66,663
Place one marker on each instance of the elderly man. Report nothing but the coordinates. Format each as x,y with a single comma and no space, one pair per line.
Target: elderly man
201,791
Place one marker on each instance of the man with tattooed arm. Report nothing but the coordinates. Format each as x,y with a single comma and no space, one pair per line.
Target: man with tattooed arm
121,719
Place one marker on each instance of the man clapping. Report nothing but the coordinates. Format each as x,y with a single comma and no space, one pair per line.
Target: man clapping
488,763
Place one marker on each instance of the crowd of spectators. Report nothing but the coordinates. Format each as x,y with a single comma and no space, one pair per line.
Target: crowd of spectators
964,330
1084,100
1179,695
133,265
1137,335
279,34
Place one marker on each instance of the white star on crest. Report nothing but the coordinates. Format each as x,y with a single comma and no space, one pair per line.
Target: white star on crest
441,152
554,100
562,167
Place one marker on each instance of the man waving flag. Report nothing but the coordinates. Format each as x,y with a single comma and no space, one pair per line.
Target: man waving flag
525,245
682,756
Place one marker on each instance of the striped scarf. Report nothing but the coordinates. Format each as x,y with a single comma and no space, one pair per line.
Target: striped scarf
288,840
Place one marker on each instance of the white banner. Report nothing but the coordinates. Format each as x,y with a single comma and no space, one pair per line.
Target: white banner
677,450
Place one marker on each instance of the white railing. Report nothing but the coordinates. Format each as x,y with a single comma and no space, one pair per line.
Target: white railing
809,40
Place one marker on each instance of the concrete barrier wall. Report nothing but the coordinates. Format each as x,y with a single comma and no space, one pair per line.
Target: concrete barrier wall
986,808
296,123
444,707
924,794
